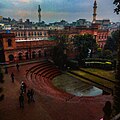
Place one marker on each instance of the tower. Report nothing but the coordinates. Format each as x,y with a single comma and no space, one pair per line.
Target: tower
94,11
39,13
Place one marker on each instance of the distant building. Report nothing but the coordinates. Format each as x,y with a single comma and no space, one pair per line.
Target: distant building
114,27
100,35
24,45
81,22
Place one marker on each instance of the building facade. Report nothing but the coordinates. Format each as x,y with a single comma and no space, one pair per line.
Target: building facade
25,45
20,45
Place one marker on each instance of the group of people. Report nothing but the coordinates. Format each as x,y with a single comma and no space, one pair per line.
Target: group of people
30,95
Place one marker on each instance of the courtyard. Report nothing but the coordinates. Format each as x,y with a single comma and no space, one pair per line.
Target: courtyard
51,101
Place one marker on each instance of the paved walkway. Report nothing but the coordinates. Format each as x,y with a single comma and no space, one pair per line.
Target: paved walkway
45,107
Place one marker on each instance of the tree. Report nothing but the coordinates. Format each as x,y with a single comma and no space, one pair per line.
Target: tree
117,4
112,45
84,44
116,96
107,54
59,55
112,41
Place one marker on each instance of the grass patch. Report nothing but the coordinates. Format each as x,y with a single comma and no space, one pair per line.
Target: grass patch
103,73
96,79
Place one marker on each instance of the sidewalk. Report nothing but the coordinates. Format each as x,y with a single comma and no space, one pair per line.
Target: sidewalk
9,107
23,63
46,108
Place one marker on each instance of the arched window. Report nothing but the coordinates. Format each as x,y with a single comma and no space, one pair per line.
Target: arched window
40,33
24,33
18,34
9,42
44,33
20,56
34,33
11,57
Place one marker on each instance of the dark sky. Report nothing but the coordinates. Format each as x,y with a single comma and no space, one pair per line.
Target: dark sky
56,10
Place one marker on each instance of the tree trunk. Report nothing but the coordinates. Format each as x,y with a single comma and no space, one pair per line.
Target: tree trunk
116,94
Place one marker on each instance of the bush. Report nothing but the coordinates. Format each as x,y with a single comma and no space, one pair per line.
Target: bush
99,63
72,64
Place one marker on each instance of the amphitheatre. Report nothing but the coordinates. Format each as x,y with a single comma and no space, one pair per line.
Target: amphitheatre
59,95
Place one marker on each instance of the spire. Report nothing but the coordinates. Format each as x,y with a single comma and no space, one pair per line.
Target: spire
94,11
39,13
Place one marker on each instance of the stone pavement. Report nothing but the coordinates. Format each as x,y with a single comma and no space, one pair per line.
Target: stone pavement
46,107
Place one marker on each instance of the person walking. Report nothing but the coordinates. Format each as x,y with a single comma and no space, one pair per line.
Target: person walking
29,96
23,87
12,77
107,109
32,95
17,66
21,100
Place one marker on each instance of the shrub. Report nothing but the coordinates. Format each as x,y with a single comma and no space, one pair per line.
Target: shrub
99,63
72,64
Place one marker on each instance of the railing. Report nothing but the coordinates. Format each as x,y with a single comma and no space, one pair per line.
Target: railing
117,117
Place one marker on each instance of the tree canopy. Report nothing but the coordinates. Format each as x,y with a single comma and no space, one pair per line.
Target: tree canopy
59,56
117,8
84,44
112,41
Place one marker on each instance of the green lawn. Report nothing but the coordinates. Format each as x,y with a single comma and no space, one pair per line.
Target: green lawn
103,73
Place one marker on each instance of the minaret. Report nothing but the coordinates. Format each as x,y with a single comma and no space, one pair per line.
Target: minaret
39,13
94,11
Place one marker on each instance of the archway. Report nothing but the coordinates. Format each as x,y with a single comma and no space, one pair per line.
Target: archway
11,57
20,56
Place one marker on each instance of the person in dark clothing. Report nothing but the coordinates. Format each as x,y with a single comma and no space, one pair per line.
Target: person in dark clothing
32,95
17,66
107,109
23,87
29,96
21,101
12,77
